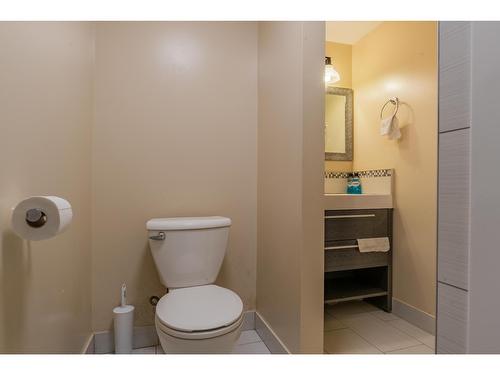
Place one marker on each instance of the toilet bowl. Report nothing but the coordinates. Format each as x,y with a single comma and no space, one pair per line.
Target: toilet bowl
202,319
196,316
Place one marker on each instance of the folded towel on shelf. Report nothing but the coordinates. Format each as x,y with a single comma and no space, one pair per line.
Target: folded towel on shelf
381,244
390,126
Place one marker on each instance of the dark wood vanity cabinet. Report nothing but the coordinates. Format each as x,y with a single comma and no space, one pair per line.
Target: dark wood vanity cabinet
350,274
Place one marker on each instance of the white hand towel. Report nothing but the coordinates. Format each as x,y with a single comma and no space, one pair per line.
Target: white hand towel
395,133
390,127
380,244
385,125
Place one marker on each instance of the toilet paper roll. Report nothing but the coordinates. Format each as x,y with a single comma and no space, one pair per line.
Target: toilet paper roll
41,217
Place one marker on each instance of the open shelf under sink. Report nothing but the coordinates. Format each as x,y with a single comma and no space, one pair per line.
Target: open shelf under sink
341,286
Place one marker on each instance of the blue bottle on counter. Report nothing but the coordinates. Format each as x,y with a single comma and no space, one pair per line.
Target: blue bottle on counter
354,185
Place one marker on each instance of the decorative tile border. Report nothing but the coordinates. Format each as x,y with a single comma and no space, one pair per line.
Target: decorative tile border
374,173
365,174
332,174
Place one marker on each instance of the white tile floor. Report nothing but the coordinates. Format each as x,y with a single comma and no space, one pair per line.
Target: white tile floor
360,328
350,328
248,343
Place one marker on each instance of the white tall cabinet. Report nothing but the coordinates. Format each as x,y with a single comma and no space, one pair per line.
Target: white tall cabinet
468,306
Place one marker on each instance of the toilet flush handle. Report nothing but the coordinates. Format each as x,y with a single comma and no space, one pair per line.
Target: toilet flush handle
159,237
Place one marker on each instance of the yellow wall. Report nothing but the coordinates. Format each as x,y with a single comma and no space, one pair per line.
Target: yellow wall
45,117
341,55
175,134
290,184
400,59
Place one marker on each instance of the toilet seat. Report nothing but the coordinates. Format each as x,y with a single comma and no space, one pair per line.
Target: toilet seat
199,312
198,335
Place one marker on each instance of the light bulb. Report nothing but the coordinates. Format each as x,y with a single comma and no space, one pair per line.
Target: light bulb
331,75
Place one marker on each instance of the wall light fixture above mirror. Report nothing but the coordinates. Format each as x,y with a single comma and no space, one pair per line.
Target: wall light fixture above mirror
331,75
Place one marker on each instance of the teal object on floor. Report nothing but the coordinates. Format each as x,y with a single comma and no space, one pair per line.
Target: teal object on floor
354,185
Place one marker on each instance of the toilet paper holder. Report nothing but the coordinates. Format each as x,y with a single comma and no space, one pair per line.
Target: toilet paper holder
35,217
41,217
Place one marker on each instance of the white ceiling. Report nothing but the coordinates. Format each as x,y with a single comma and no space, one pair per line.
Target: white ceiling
348,32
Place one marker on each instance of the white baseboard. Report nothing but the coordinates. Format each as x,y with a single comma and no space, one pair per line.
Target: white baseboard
417,317
89,347
103,342
270,338
248,321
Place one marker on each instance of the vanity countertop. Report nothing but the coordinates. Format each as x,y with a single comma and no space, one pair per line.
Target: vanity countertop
357,201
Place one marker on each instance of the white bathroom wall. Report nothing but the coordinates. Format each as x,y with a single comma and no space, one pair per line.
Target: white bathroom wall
45,122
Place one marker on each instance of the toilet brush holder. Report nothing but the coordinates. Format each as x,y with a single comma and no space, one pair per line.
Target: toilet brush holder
123,328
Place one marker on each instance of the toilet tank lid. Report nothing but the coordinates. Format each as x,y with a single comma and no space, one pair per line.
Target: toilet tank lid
186,223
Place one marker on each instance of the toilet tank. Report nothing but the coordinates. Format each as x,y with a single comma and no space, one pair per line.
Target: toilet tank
188,251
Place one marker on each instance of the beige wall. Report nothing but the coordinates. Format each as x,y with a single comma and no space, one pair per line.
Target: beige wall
175,134
400,59
290,188
45,117
341,55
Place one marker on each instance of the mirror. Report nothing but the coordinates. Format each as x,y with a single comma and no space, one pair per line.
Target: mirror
338,124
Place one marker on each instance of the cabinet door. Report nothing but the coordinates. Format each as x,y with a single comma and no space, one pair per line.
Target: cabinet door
454,75
452,320
453,215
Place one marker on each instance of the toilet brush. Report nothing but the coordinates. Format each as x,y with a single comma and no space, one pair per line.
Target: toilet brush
123,324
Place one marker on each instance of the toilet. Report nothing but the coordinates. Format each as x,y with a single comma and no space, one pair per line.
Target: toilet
195,316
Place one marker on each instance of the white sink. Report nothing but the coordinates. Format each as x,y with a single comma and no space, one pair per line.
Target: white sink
357,201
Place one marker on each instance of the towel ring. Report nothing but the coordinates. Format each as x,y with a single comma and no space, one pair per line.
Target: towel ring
393,101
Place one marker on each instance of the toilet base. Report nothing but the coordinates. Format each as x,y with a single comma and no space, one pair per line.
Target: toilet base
222,344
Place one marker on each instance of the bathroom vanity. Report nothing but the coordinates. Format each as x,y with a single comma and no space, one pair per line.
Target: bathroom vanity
350,274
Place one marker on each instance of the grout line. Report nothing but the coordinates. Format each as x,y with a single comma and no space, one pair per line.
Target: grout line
248,343
409,347
406,333
386,323
453,130
376,317
431,348
361,337
333,329
454,286
253,342
406,347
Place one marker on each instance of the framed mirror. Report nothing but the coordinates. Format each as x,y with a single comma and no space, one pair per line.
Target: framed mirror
338,124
